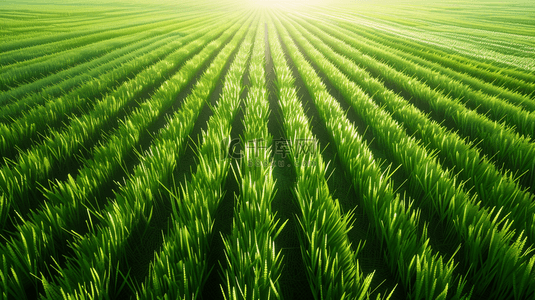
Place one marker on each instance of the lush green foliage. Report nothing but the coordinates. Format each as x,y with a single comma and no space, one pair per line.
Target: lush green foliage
384,151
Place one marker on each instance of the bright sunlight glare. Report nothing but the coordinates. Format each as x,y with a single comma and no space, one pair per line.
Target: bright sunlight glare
285,3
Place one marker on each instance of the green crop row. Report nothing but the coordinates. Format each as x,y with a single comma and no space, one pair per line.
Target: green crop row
515,80
515,151
60,48
25,73
333,270
494,108
76,27
514,56
60,83
21,133
493,188
68,202
423,272
253,265
179,269
109,244
434,161
499,262
373,42
38,164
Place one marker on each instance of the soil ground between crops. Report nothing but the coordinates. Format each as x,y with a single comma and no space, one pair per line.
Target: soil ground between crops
147,136
293,281
145,236
146,244
224,215
438,238
73,164
63,122
107,190
370,259
447,121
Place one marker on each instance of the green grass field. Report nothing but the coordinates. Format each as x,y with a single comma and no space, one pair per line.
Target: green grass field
267,150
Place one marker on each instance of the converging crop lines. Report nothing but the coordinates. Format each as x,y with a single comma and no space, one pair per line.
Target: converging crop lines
258,150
